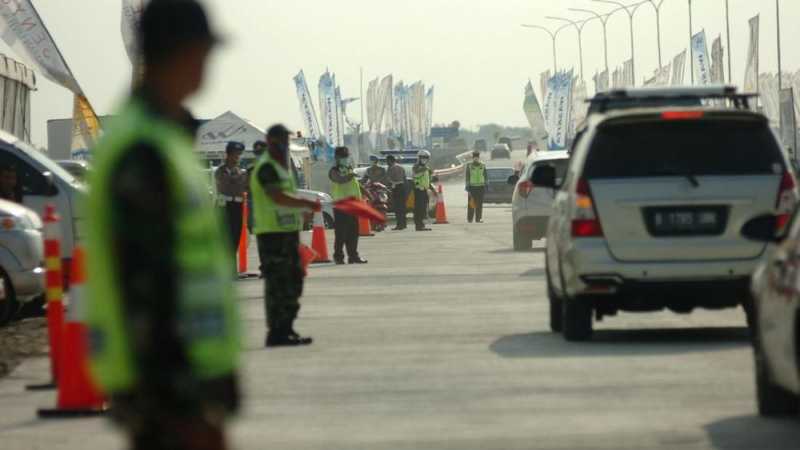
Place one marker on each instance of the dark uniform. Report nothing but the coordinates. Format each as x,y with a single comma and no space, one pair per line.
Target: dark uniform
376,174
422,183
344,185
396,177
231,187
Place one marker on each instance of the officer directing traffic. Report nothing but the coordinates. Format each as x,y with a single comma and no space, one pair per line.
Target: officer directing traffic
278,219
231,183
162,315
423,177
476,187
344,184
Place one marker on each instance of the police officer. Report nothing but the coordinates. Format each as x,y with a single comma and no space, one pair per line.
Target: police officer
278,214
161,311
375,172
231,183
396,176
476,187
423,178
344,185
259,147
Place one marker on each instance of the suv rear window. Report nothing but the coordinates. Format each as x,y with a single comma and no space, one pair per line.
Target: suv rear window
499,174
670,148
561,166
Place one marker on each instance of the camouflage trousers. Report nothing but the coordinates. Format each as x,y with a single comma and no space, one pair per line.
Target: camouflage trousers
283,278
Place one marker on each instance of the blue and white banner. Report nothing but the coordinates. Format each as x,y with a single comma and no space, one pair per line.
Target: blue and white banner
327,106
702,61
751,70
429,111
307,107
558,107
339,116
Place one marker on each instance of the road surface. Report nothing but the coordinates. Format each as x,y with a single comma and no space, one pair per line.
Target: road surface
441,342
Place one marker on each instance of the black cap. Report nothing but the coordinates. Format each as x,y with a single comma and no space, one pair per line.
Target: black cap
278,132
341,152
167,25
234,146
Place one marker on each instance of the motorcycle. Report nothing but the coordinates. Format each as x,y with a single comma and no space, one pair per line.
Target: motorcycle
377,196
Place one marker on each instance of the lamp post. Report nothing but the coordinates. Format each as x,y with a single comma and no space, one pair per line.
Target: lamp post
728,32
780,72
579,28
603,21
553,37
691,49
630,10
657,7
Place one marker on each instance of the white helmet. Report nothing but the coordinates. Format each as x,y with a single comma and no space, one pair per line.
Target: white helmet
424,154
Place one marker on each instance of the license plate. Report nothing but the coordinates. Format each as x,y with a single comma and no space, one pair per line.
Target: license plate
690,221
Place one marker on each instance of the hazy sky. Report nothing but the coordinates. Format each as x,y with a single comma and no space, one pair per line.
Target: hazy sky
473,51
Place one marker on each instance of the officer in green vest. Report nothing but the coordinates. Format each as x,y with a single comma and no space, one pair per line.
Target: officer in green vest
162,315
344,184
278,219
423,179
476,187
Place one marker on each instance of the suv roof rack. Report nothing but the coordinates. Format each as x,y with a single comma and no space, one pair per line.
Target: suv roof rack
667,96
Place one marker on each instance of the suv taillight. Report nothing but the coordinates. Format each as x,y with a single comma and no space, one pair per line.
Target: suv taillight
787,200
525,188
585,222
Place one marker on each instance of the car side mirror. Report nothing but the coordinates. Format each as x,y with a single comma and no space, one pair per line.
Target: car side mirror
513,180
762,229
544,176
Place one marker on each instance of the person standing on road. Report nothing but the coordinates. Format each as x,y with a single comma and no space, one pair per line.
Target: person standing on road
476,187
277,211
162,316
423,179
396,177
231,183
376,173
344,185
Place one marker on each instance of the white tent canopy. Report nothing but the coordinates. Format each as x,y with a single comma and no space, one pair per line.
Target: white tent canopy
214,135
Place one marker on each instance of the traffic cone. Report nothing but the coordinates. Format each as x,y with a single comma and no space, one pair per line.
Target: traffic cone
441,211
364,227
54,293
244,243
319,242
77,395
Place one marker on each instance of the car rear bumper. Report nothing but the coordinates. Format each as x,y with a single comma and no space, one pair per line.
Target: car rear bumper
533,226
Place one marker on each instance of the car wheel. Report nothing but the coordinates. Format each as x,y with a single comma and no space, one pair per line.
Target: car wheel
556,316
328,221
522,242
577,319
772,399
9,304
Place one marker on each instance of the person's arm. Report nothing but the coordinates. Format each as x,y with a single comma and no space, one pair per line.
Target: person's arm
270,181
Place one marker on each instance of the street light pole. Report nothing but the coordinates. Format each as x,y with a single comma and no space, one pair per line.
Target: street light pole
691,49
657,7
553,37
579,28
780,72
603,21
630,10
728,26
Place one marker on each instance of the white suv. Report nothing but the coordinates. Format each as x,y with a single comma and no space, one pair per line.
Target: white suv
650,213
531,206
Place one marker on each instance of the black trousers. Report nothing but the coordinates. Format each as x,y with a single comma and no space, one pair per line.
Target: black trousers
420,207
476,195
399,197
233,220
345,236
283,278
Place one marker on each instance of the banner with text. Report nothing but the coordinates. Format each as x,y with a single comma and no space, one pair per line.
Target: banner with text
307,107
751,71
702,63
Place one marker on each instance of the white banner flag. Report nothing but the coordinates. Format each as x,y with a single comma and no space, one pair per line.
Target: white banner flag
601,82
371,104
339,114
751,71
383,105
702,63
429,111
327,106
544,78
558,110
533,111
678,68
307,107
717,56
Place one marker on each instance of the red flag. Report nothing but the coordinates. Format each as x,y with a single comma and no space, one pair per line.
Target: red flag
307,255
359,208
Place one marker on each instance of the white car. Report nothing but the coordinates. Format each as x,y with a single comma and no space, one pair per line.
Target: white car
325,200
650,213
531,206
775,322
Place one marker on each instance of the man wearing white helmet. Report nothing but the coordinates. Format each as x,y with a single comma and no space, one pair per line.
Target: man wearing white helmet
423,177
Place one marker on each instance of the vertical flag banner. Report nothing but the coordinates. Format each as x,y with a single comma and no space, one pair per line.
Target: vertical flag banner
717,56
627,73
327,102
429,111
307,107
788,121
339,115
559,109
702,63
372,100
544,78
383,102
85,128
533,111
386,88
751,71
679,68
601,82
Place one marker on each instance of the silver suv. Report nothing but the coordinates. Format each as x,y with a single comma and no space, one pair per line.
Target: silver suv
21,257
649,214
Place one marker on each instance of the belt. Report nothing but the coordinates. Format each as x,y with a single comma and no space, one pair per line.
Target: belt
228,198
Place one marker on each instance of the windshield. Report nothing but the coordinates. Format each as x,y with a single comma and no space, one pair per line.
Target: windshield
50,165
499,174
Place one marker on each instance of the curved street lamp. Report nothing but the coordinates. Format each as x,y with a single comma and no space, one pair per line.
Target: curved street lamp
630,10
553,37
579,28
603,20
657,7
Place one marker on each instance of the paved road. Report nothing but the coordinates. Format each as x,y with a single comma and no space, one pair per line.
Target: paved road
441,342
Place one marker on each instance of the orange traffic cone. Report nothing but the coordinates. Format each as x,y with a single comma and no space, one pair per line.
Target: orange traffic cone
55,291
77,395
441,211
364,227
243,238
319,242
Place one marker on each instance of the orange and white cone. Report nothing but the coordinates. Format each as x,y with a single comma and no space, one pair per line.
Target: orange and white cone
319,241
77,394
441,211
364,227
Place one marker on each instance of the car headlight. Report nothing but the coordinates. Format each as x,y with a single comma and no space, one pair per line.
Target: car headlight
13,223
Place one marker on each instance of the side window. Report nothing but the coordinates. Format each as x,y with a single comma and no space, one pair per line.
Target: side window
30,180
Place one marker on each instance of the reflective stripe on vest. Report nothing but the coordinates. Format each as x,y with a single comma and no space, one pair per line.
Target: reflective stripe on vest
422,180
207,316
476,175
341,191
268,216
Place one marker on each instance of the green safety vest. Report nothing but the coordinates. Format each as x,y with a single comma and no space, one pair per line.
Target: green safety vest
477,175
208,319
341,191
422,180
268,216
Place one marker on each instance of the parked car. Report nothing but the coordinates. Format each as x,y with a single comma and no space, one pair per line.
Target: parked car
500,151
327,205
77,168
497,188
775,317
43,182
531,206
650,212
21,258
